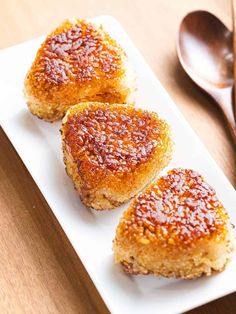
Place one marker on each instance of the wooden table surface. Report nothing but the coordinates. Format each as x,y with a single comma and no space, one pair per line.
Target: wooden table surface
39,270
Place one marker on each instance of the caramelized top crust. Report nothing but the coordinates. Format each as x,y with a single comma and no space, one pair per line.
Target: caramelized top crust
179,209
114,138
77,51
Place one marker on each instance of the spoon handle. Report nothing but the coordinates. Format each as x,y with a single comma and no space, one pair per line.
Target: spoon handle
233,5
225,101
231,124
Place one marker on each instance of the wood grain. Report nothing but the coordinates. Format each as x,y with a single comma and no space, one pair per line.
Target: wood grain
39,271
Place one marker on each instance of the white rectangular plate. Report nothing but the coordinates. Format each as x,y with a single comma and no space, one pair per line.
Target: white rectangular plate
90,232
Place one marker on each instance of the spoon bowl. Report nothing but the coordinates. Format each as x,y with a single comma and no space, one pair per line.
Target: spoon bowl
205,51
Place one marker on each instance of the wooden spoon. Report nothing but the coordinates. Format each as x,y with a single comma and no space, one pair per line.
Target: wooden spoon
205,51
234,47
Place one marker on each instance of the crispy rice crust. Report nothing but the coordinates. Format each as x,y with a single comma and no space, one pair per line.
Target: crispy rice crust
112,151
177,227
77,62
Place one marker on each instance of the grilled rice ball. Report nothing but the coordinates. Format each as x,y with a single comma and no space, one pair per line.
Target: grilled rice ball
77,62
177,227
112,151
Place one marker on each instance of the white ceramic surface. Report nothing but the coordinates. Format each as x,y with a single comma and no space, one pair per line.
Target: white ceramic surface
91,233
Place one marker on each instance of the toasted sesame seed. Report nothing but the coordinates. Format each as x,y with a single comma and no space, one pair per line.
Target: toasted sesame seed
144,241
